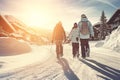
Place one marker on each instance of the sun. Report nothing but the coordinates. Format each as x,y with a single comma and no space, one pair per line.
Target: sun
37,18
40,17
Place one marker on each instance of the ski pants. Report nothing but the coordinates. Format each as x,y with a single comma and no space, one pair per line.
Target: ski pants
85,49
75,49
59,48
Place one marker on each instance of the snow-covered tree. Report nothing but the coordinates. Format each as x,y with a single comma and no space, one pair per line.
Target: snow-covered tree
103,25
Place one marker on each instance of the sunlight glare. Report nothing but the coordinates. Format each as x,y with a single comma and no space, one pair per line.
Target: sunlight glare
37,19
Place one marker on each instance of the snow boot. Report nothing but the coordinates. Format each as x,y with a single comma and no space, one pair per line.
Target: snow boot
78,56
61,55
87,53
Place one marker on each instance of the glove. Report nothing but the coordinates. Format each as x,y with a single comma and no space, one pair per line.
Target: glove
92,37
76,38
64,40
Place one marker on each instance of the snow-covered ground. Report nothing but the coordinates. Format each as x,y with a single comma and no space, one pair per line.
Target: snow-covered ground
10,46
15,54
41,64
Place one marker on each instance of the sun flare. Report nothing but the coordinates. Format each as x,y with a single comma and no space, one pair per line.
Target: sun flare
37,18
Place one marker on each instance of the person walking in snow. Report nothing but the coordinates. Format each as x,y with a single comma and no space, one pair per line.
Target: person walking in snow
85,31
74,38
58,37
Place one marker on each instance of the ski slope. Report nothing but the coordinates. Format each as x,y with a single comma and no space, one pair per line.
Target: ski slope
41,64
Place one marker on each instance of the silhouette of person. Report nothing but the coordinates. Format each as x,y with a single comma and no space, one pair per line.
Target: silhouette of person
85,31
58,37
74,38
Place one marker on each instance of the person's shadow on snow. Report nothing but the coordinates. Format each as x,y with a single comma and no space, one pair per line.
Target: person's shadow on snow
67,70
109,72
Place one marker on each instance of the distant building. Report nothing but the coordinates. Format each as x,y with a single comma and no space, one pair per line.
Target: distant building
100,28
114,21
96,28
111,25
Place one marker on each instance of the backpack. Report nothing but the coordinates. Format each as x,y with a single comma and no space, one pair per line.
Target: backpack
84,28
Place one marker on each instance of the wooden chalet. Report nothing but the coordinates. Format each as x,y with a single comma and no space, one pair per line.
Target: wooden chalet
11,27
114,21
111,25
5,26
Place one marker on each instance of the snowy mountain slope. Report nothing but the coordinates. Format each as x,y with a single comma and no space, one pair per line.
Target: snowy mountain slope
104,64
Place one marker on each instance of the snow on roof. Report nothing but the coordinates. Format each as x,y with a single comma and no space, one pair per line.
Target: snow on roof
19,24
98,23
7,22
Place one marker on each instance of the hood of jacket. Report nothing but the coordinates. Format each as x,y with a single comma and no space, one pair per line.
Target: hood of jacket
84,19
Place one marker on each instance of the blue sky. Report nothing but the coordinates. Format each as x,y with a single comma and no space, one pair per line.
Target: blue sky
46,13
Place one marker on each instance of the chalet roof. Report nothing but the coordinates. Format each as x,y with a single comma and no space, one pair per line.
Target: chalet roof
4,23
19,24
114,16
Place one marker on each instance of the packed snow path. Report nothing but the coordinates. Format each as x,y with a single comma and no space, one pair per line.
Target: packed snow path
104,64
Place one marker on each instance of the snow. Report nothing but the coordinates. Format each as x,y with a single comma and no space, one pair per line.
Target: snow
45,39
113,41
99,44
98,23
11,46
41,64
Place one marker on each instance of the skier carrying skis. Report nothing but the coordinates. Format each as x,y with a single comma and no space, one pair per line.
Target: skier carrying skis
85,31
58,37
74,37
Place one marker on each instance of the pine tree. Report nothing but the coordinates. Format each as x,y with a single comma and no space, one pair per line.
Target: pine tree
103,25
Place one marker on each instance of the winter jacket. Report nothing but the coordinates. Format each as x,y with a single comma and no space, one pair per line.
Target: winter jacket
58,33
74,34
86,36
